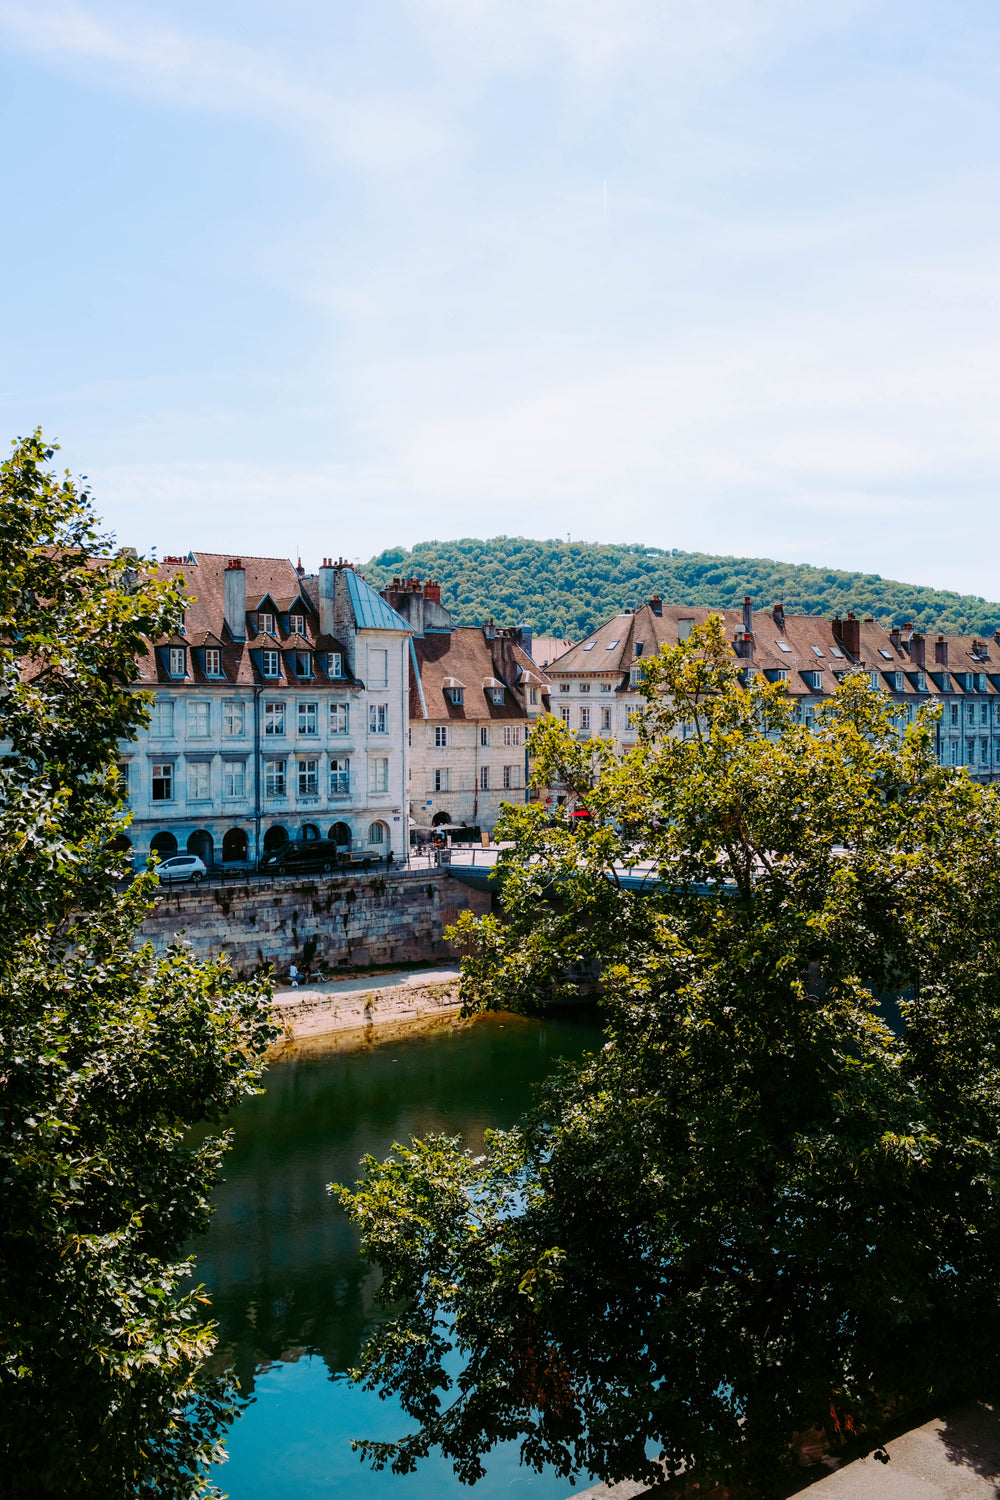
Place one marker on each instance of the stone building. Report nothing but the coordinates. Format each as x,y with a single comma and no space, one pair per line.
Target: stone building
595,683
474,694
279,711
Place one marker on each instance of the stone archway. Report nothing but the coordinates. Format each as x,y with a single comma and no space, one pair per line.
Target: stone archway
340,834
378,836
120,844
234,846
439,818
201,843
275,837
309,832
163,844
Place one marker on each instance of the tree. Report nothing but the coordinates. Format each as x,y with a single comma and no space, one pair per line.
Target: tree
108,1055
760,1209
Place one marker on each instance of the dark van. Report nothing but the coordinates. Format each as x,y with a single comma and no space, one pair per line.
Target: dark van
301,858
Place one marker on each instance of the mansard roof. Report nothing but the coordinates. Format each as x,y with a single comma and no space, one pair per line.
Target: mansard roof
466,657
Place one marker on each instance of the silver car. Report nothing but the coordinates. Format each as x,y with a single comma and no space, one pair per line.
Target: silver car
182,867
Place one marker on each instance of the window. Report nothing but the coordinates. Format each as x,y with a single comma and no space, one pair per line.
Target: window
836,651
441,779
340,777
265,623
817,652
274,778
970,752
340,718
178,663
981,682
633,676
585,718
484,778
274,718
564,687
632,713
199,780
984,751
484,734
954,713
590,646
873,679
440,736
213,662
921,682
163,781
334,664
457,696
897,681
308,778
684,629
378,718
972,713
612,644
605,718
309,718
198,720
161,719
123,788
584,687
378,667
297,624
234,778
564,715
605,687
512,734
303,663
783,646
233,719
953,753
496,694
271,664
883,652
376,833
511,779
533,697
984,713
378,771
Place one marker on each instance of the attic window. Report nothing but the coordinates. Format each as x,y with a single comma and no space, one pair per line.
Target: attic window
178,665
684,629
334,667
883,652
265,623
213,662
611,645
836,651
456,695
303,663
816,651
297,624
638,648
590,646
496,694
783,646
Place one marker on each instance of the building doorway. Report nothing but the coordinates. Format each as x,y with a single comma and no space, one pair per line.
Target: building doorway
163,844
234,846
340,834
200,843
439,818
275,837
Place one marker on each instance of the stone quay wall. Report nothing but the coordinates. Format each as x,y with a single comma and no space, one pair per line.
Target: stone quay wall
340,922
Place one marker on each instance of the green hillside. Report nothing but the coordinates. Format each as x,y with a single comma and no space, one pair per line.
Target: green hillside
567,588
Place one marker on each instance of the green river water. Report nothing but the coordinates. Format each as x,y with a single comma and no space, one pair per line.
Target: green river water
289,1290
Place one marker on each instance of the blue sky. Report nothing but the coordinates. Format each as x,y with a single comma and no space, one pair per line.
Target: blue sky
320,278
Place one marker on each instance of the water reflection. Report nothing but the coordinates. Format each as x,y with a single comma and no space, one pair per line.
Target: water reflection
281,1260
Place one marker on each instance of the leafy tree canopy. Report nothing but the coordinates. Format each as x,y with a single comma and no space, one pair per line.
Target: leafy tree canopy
566,589
759,1210
108,1055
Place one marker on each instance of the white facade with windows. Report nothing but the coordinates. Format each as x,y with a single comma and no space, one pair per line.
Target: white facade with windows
279,712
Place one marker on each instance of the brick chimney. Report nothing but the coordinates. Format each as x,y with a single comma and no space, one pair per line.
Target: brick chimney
748,615
234,598
941,651
896,637
778,616
656,604
327,575
432,591
849,633
918,649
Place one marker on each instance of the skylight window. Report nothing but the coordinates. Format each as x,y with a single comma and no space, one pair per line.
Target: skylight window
883,652
611,645
836,651
816,651
590,646
783,646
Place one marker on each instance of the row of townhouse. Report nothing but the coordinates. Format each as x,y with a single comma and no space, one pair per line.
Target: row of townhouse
595,683
279,711
474,694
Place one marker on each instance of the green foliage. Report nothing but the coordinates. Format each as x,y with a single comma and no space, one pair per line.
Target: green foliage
108,1056
758,1210
566,589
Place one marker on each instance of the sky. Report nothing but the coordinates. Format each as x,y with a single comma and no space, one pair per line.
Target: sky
320,278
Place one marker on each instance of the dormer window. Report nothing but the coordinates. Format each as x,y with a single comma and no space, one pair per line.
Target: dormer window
303,663
213,662
265,623
456,695
297,624
496,694
334,664
921,682
897,681
633,676
271,663
814,680
178,663
873,679
981,681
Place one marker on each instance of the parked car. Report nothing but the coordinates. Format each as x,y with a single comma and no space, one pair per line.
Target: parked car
182,867
300,858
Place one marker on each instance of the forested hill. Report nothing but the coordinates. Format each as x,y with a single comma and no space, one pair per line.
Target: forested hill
567,588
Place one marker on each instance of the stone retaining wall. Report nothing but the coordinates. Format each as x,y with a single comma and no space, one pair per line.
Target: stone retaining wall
341,922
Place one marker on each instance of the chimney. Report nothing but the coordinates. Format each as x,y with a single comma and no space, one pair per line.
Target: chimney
234,598
849,631
524,638
896,637
300,570
918,649
432,591
748,615
778,616
656,604
489,630
327,574
941,651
